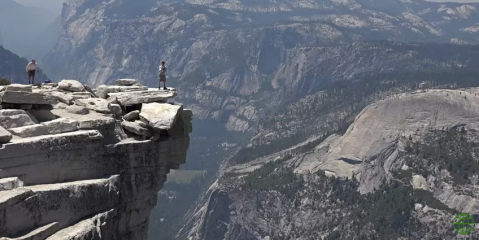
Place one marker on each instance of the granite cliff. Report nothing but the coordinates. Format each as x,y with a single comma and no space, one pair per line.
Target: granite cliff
78,163
402,170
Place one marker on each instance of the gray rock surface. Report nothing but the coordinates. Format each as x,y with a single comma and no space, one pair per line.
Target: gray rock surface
95,104
71,85
56,159
29,131
78,110
5,136
126,82
160,116
132,116
28,98
136,128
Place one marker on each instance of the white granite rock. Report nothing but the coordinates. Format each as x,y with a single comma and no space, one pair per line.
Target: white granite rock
132,116
29,131
19,88
58,160
126,82
77,110
63,97
160,116
102,91
71,85
11,118
61,125
136,128
10,183
5,136
129,98
28,98
96,104
115,109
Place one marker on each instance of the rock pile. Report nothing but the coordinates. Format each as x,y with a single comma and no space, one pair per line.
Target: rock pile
78,163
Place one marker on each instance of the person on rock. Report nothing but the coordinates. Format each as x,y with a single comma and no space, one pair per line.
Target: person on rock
162,71
31,68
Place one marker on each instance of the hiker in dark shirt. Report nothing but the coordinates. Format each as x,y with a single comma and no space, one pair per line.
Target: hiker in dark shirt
162,73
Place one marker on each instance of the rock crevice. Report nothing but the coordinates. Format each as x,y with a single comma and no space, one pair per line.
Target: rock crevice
77,163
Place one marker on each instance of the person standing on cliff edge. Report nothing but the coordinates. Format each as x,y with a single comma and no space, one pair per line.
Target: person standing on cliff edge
162,71
31,68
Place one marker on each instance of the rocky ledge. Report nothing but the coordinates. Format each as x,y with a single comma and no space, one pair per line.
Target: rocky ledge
78,163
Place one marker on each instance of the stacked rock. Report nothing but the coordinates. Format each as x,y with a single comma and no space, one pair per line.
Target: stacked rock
50,108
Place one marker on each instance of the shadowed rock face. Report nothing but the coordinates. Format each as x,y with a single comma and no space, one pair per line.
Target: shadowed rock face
83,174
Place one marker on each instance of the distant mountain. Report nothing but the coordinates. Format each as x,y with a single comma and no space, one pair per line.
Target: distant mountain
54,6
13,67
20,27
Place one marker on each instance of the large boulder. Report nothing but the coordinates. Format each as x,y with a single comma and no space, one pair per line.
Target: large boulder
96,104
130,98
132,116
12,118
126,82
61,125
102,91
28,98
18,88
29,131
136,128
5,136
160,116
63,97
71,85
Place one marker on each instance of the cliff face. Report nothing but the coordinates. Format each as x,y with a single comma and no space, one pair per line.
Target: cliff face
82,164
403,169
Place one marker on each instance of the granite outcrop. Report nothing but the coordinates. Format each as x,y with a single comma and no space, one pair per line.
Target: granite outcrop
82,163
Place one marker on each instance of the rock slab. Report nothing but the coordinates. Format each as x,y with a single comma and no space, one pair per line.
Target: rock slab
160,116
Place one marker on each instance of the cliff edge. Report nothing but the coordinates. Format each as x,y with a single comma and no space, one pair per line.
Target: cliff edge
77,163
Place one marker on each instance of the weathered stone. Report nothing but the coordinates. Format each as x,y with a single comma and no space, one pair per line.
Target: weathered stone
53,184
41,232
135,128
102,91
63,97
13,196
61,125
10,183
12,118
19,88
28,98
128,98
71,85
126,82
112,100
116,109
29,131
90,228
95,104
141,123
60,106
5,136
42,115
160,116
132,116
67,203
77,110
